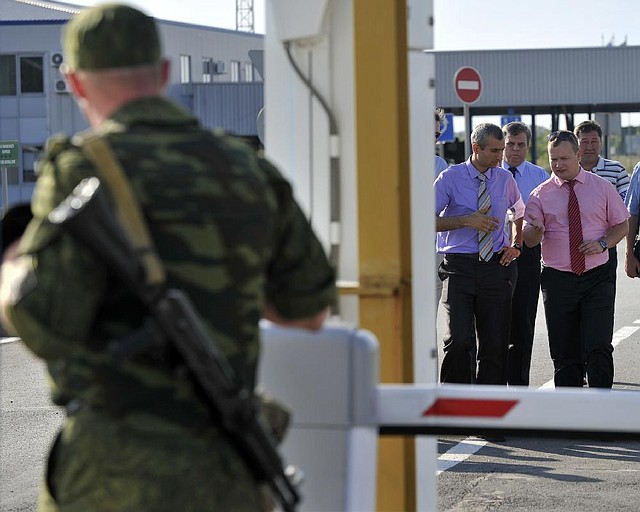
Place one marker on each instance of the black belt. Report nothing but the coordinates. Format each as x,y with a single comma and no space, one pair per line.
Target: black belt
472,256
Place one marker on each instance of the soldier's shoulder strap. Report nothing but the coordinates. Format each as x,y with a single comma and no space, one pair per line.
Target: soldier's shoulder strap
97,149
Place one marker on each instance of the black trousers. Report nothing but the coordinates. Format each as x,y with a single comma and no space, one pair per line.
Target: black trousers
523,316
579,313
613,265
477,302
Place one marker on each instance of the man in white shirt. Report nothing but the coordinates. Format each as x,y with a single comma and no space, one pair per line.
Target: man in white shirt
589,135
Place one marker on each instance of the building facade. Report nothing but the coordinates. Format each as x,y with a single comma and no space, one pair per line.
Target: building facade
212,75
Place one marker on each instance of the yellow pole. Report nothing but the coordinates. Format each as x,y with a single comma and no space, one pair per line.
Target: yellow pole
382,155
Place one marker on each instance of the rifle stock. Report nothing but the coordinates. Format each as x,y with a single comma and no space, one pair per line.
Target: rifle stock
87,216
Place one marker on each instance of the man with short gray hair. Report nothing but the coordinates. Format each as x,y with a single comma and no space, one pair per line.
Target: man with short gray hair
471,203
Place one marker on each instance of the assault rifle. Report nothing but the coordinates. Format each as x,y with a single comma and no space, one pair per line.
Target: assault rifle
86,215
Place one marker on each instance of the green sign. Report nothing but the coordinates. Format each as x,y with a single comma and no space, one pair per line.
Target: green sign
9,153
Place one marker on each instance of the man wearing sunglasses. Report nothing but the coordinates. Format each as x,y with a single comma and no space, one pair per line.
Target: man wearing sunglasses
440,124
440,165
576,216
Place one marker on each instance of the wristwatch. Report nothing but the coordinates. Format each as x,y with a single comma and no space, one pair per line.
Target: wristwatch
516,245
603,244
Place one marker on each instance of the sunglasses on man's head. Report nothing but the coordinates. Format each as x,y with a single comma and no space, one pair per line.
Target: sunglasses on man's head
561,135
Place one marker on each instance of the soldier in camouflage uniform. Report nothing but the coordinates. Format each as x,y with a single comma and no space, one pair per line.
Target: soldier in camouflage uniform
229,233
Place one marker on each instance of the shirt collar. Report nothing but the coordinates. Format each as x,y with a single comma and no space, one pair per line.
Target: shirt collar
599,165
506,166
580,178
474,173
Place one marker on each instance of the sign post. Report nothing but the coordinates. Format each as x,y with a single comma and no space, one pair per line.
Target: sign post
8,158
468,86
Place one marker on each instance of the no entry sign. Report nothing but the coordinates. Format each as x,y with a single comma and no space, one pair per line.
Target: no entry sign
467,84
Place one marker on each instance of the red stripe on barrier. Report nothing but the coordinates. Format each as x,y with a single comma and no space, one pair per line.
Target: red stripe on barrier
466,407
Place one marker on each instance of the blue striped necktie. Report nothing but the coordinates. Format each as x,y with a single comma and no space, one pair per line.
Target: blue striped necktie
485,240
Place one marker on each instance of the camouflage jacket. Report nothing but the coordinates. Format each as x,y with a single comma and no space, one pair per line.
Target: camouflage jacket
226,227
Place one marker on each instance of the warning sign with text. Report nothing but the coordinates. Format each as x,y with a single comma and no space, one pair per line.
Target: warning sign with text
9,153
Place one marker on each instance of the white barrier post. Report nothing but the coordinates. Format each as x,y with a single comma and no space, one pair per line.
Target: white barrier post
329,380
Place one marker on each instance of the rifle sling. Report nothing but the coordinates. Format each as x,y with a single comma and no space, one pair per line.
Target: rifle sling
128,211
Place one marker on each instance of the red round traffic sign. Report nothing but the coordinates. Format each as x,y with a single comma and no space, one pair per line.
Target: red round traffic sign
467,84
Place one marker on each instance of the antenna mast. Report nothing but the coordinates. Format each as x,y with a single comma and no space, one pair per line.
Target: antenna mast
244,16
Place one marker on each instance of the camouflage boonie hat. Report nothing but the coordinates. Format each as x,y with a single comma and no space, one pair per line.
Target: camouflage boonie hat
110,36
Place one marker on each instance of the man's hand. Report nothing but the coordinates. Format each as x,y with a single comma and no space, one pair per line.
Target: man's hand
590,247
631,265
508,255
537,225
533,232
482,222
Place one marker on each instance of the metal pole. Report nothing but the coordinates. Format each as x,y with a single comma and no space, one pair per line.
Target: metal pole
467,131
5,191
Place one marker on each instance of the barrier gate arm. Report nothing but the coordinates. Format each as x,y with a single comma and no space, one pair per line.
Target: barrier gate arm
477,410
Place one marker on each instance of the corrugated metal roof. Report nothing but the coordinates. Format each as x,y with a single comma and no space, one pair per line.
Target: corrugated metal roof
234,106
596,79
35,11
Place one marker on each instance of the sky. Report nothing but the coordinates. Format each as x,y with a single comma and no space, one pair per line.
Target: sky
466,25
463,24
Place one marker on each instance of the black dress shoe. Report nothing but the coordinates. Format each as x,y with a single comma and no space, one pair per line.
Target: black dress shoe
493,438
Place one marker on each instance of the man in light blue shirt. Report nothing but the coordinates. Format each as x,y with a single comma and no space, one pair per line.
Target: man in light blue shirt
477,291
632,200
524,305
440,125
440,165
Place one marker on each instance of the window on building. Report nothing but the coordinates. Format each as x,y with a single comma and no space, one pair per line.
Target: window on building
185,69
12,176
29,158
7,75
207,69
31,75
247,71
235,71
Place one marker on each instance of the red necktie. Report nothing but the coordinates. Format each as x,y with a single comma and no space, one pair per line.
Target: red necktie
575,232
